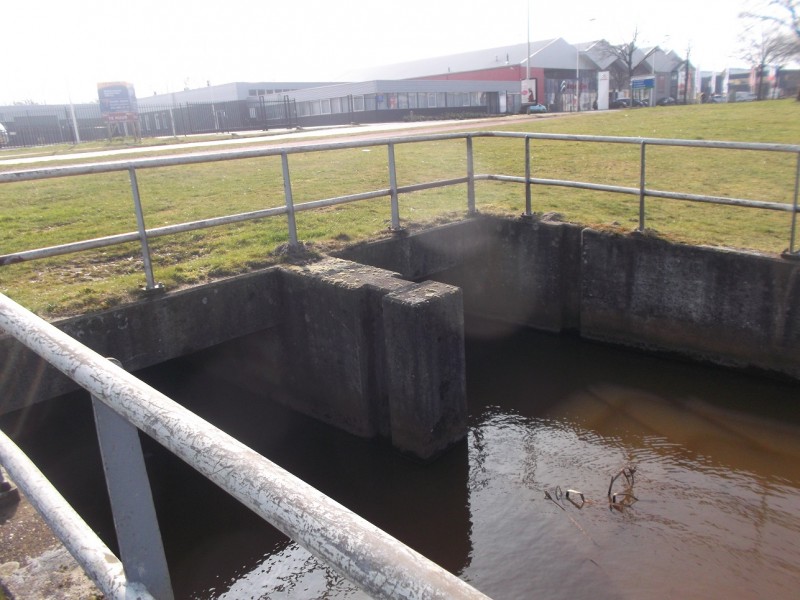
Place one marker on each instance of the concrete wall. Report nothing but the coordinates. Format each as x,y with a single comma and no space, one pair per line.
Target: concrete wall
146,333
729,307
358,344
732,308
520,271
352,345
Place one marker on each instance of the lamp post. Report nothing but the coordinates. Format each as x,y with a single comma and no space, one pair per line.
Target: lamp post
528,60
578,78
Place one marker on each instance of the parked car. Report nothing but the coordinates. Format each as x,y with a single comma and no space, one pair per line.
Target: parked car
718,99
666,101
745,97
3,135
537,108
620,103
640,103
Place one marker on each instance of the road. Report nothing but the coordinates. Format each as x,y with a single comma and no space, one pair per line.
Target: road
290,138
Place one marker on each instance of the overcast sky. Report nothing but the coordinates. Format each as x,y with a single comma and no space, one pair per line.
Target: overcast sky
54,49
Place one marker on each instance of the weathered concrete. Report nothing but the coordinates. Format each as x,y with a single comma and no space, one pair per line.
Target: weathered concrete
521,271
424,329
336,338
348,355
316,341
146,333
729,307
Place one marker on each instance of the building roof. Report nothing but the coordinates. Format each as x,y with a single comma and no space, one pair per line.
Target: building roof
548,54
400,85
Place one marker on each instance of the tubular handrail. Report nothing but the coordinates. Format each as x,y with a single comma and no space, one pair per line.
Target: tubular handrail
99,563
364,554
393,191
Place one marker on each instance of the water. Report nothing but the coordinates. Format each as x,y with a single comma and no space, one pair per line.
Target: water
717,510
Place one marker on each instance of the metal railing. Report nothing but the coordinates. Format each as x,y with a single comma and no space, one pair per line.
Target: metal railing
364,554
367,556
393,191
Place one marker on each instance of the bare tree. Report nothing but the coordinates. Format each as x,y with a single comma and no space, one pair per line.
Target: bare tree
776,41
785,14
768,48
627,59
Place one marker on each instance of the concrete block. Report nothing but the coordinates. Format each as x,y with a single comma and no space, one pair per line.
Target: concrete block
424,334
332,362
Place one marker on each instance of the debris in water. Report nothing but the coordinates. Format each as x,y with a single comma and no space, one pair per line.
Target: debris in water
626,497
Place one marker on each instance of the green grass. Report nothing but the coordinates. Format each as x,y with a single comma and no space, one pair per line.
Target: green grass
55,211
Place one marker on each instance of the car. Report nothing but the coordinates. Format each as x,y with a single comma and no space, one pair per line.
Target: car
537,108
718,99
640,103
666,101
620,103
3,135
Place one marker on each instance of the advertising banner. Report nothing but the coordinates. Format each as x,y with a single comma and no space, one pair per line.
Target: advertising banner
118,102
529,91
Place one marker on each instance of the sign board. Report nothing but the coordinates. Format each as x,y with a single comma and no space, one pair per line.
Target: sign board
118,102
602,90
528,91
641,84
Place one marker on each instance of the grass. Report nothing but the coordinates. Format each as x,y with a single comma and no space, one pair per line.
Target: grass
55,211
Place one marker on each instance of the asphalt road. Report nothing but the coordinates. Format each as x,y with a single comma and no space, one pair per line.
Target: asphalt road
288,138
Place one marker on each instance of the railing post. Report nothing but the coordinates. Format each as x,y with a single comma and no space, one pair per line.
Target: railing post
794,206
393,191
287,192
528,207
470,178
137,204
642,165
138,535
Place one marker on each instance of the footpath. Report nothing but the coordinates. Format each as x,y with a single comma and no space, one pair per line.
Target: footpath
34,565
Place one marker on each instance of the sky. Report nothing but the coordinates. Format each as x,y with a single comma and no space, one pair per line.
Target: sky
63,48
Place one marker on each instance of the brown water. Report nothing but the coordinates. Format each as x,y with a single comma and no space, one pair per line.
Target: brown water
717,480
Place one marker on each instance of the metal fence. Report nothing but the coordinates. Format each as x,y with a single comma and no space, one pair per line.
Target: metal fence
47,125
393,191
373,560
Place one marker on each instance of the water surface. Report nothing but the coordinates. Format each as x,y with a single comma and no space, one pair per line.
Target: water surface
715,452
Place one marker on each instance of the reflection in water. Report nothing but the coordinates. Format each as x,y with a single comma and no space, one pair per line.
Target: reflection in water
291,572
717,479
718,511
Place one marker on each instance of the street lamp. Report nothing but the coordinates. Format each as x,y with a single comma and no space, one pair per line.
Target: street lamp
578,77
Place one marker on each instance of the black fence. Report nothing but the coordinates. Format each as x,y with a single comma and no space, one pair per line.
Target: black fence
38,125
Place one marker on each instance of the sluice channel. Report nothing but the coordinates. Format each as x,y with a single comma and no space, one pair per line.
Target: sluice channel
712,508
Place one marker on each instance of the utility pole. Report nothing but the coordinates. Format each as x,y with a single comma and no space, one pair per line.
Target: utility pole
686,74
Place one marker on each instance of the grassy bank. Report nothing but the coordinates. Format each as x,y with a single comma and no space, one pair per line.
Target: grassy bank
55,211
